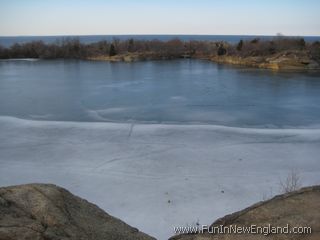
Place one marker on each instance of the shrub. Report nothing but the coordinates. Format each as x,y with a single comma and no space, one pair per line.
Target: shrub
255,40
291,183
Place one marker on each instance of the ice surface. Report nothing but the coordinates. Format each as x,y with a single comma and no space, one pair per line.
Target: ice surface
156,176
179,91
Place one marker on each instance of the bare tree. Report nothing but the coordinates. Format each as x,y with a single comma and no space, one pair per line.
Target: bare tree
291,183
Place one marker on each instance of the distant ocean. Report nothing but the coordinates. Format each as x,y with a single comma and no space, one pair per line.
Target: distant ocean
8,41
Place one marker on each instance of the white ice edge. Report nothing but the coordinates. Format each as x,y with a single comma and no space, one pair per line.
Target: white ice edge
40,120
20,59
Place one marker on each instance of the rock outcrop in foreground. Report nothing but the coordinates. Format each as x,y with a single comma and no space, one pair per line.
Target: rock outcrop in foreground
48,212
299,208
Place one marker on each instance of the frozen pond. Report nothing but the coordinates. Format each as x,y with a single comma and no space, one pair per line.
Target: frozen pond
158,144
181,91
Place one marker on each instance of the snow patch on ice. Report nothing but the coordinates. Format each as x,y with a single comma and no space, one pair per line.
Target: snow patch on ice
21,59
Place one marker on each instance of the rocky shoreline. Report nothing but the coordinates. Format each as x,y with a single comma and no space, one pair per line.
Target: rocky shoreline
286,60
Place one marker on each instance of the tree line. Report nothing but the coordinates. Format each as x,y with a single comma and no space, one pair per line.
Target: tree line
175,48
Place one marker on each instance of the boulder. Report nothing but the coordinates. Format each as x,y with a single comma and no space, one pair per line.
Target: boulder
48,212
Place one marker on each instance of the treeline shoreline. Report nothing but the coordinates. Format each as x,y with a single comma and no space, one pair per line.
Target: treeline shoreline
277,53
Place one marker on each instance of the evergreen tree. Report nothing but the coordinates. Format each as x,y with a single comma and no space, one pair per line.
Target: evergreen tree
112,50
240,45
131,45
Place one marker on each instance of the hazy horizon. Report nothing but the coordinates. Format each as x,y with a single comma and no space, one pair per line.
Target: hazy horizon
124,17
158,34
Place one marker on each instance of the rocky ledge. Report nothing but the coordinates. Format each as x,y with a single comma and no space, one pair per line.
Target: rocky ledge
48,212
297,209
286,60
134,57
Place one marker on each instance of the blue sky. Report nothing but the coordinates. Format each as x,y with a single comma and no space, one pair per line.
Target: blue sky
80,17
